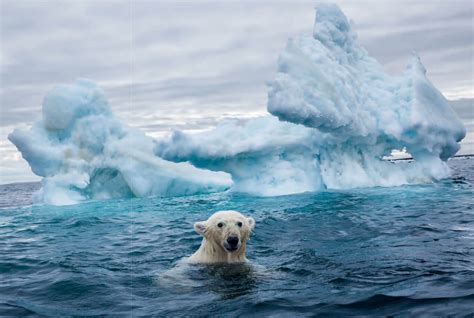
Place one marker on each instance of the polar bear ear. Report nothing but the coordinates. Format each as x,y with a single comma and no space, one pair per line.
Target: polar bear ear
251,221
200,227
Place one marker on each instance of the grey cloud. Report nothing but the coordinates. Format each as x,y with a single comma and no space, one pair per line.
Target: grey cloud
464,108
145,41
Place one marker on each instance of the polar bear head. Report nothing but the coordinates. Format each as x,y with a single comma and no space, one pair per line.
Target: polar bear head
228,230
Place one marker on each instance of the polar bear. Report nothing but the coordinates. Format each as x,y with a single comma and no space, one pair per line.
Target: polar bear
225,235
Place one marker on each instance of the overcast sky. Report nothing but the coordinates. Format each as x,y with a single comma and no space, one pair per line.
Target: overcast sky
186,65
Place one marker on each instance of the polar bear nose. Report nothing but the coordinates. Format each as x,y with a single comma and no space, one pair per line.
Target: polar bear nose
233,241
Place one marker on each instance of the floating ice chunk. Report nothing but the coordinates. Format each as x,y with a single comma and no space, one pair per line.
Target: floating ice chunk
83,152
341,114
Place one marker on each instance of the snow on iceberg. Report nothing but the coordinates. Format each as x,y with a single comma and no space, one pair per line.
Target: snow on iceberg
341,115
83,152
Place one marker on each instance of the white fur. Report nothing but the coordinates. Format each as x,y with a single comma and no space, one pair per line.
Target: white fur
212,249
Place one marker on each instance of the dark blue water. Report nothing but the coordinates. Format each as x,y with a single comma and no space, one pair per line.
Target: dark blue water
405,251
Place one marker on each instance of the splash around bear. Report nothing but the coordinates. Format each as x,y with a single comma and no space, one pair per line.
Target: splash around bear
225,235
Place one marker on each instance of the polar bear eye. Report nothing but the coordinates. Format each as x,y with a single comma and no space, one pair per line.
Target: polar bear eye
239,224
220,224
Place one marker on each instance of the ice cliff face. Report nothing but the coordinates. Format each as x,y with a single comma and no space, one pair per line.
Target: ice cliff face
336,114
83,152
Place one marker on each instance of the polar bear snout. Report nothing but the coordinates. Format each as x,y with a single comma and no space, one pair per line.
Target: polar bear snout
232,243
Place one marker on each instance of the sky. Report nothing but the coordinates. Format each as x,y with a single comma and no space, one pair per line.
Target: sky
186,65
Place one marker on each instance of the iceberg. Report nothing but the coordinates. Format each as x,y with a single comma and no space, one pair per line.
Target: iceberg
340,115
334,114
83,152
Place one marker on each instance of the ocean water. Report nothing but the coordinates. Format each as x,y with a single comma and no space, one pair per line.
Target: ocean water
403,251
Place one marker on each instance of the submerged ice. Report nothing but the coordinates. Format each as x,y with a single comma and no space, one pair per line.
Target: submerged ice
336,114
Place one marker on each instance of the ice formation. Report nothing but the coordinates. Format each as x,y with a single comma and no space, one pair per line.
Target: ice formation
83,152
336,114
263,155
343,114
328,82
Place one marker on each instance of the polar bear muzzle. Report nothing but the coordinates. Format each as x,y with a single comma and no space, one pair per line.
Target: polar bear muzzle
232,243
